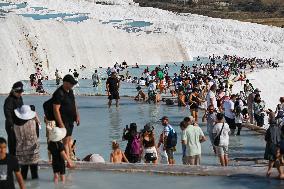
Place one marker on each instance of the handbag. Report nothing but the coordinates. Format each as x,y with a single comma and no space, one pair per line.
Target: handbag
217,138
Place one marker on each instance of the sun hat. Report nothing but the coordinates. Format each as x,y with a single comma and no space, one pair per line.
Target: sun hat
25,112
148,128
56,134
257,90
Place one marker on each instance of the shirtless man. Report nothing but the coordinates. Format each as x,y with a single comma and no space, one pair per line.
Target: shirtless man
117,156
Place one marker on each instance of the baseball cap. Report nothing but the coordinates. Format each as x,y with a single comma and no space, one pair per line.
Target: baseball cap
70,79
18,87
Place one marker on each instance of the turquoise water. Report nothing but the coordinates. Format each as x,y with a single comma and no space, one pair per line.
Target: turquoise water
129,25
18,5
75,17
107,180
100,125
139,24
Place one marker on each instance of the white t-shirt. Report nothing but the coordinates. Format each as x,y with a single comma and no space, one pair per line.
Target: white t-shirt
239,119
228,107
211,95
224,138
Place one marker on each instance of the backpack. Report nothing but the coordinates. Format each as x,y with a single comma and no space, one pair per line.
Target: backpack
171,139
48,110
135,145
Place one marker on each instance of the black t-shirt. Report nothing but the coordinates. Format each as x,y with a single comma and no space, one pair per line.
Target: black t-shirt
66,100
7,167
113,84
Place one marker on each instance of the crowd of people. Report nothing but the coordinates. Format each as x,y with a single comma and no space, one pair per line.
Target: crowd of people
207,87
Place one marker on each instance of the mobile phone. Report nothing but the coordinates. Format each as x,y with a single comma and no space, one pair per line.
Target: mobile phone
74,143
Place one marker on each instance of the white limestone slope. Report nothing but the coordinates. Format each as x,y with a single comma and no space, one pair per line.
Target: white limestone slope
65,45
62,45
199,35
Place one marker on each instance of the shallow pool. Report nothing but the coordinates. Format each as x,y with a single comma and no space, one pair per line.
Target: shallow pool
102,180
100,125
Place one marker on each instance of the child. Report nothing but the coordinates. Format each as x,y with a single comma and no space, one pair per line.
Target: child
117,156
9,165
56,148
239,119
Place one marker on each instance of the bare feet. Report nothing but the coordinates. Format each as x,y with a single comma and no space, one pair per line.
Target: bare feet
268,174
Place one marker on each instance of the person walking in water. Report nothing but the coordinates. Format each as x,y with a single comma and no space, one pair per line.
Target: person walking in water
65,110
112,86
222,130
12,102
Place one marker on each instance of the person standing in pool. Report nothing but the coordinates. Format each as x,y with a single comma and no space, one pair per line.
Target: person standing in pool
112,86
12,102
65,110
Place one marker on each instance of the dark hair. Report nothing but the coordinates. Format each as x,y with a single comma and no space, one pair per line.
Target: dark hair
32,107
187,119
3,140
183,125
238,110
219,116
256,97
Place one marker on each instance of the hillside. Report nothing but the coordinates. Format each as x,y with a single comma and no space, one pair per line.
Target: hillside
267,12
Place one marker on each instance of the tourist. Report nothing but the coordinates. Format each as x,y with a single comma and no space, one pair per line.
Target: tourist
169,139
239,118
280,108
9,165
192,137
59,156
211,97
96,79
149,146
222,129
181,98
259,110
112,86
133,148
250,102
117,156
272,138
210,117
229,107
12,102
188,121
65,110
194,102
248,88
27,144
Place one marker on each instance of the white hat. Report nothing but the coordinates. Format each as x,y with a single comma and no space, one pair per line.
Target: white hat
25,112
56,134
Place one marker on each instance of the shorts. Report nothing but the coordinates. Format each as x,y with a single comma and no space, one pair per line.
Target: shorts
222,150
114,95
69,129
170,153
150,157
59,167
193,160
150,154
